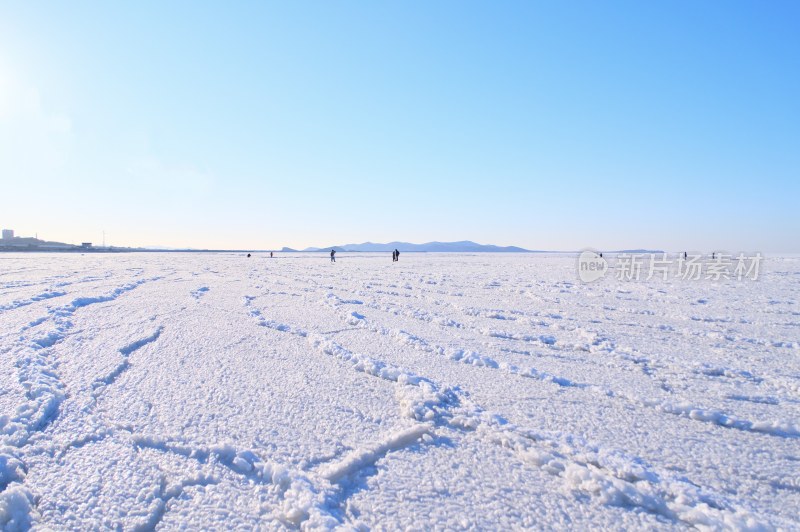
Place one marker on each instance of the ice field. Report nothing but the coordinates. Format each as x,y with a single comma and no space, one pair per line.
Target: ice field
445,391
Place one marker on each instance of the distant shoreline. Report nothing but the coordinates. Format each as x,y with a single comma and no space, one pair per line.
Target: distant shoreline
147,250
34,245
319,252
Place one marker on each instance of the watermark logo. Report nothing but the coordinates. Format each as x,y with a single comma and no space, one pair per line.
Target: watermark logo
645,266
591,266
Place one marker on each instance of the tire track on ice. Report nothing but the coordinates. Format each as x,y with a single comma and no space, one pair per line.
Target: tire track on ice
361,458
425,316
37,372
37,368
167,493
359,362
304,502
309,500
304,499
463,356
101,429
597,343
53,284
419,400
606,475
19,303
101,384
609,477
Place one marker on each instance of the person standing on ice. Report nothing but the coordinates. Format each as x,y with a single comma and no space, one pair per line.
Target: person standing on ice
396,255
333,252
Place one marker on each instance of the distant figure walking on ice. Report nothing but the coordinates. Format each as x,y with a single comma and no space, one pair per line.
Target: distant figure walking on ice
270,254
333,252
395,256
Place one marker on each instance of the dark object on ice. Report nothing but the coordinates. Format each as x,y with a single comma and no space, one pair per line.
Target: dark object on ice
248,255
270,254
333,252
395,256
601,254
684,255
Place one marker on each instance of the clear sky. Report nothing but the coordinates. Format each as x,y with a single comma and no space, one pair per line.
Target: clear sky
548,125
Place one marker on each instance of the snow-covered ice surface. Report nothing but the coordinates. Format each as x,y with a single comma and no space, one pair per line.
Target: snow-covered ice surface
165,391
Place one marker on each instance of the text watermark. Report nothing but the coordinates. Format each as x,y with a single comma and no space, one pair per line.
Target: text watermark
683,266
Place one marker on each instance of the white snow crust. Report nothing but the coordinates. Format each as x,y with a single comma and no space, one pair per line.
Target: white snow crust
446,391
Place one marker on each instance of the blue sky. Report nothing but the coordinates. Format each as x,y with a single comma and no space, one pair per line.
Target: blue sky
549,125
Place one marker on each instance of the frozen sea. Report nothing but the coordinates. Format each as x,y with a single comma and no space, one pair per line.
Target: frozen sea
446,391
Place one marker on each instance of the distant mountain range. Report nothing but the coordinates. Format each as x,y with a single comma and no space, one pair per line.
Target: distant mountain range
465,246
